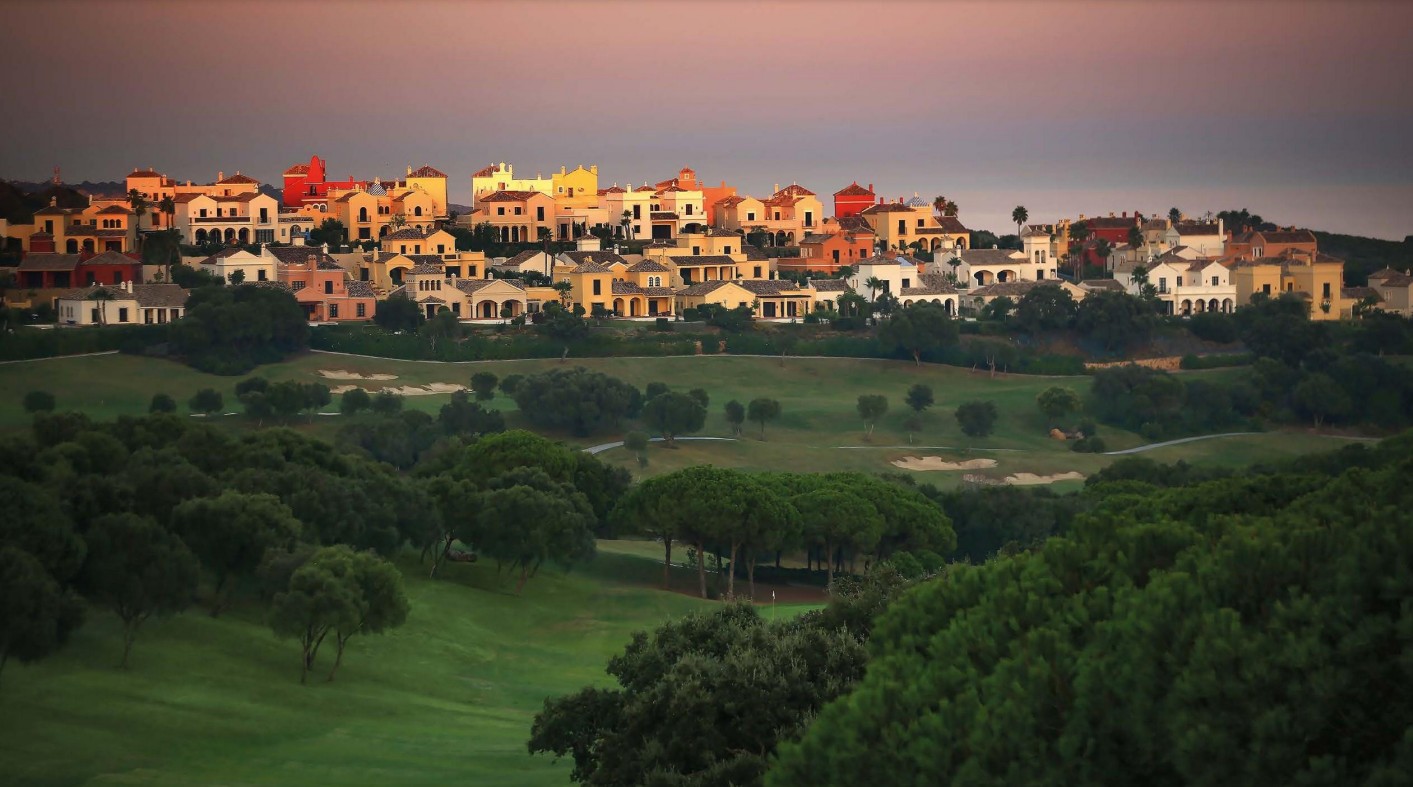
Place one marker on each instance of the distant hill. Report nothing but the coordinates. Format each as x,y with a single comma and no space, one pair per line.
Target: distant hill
452,207
103,188
18,204
1362,256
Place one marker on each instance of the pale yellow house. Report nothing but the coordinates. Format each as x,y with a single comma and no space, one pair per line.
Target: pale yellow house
467,299
619,203
501,177
125,304
1394,289
901,224
413,241
517,216
1318,278
740,213
252,268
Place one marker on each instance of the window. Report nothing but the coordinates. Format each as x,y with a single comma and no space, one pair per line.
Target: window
441,248
689,209
777,215
452,273
1215,281
919,224
598,287
417,211
260,275
264,236
519,210
365,233
333,311
1326,293
500,211
696,250
637,212
907,283
362,309
902,227
751,216
1266,288
94,315
297,286
725,249
328,288
122,315
1179,281
118,279
203,213
809,218
757,274
1162,285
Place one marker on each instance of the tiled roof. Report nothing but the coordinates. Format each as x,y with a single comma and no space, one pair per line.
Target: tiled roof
602,258
48,262
408,233
856,224
1289,236
1102,284
626,288
612,190
1035,232
1396,280
246,197
486,172
716,232
359,289
1110,222
469,286
298,169
87,293
432,299
648,266
731,201
299,255
1359,293
663,215
1013,289
186,196
508,196
930,284
771,287
1384,273
754,253
703,288
1196,228
426,171
273,285
853,190
781,200
991,256
887,207
239,178
144,173
427,270
814,238
878,259
112,258
52,210
794,190
659,292
673,187
123,209
400,292
830,285
220,255
591,267
162,296
703,259
952,225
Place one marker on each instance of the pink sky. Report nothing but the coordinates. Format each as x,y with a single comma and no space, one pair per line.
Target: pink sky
1300,111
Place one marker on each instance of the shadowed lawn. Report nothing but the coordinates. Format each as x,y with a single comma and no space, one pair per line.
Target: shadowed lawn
446,699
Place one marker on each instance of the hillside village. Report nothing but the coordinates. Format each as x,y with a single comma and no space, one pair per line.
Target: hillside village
632,251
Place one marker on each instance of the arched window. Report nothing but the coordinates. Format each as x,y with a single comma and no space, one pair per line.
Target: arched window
417,211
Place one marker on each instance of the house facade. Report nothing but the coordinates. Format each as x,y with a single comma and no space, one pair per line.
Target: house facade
124,304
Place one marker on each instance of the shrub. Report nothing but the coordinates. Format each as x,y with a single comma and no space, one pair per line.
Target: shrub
162,403
39,402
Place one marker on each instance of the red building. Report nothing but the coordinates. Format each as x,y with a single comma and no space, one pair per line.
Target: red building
306,184
1113,229
47,271
852,199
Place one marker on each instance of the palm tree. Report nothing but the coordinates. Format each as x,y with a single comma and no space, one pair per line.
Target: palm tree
1020,216
874,284
940,203
138,203
950,209
102,295
169,207
1174,215
627,224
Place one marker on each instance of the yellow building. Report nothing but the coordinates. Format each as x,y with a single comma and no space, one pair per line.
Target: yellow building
432,182
517,216
577,188
501,177
466,298
629,211
1319,278
901,224
101,227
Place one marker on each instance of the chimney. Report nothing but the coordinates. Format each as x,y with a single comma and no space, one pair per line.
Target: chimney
220,175
409,170
870,187
777,187
1125,215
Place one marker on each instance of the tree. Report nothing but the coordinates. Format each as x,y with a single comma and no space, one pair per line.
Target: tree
736,416
321,598
919,398
1057,402
662,723
918,329
36,613
461,416
398,313
562,325
566,292
237,277
836,518
700,396
1116,320
1321,399
874,284
139,570
331,232
354,401
231,532
1174,215
1135,238
231,330
530,520
762,410
162,403
976,418
444,325
39,402
103,297
139,206
578,400
672,414
999,308
484,384
637,442
871,407
1045,309
206,401
382,602
387,403
1020,216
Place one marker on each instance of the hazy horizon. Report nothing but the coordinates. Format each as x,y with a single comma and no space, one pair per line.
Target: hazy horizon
1300,112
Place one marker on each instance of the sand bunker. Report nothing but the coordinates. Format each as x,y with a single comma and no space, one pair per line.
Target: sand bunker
429,389
1031,479
339,374
936,463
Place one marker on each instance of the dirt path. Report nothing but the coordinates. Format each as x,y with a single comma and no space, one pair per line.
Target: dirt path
1167,443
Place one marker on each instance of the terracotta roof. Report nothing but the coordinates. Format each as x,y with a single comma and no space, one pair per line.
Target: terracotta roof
703,259
663,215
1013,289
703,288
830,285
731,201
185,197
432,299
991,256
754,253
299,255
648,266
1102,284
508,196
427,270
239,178
930,284
298,169
878,259
814,238
426,171
486,172
1288,236
612,190
408,233
856,224
772,287
887,207
659,292
853,190
794,190
626,288
246,197
673,187
590,267
112,258
52,210
522,257
144,173
117,209
360,289
781,200
1359,293
602,258
952,225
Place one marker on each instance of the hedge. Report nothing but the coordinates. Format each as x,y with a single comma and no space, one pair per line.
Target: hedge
30,343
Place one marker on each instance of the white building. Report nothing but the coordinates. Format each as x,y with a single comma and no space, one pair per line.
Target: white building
252,267
245,218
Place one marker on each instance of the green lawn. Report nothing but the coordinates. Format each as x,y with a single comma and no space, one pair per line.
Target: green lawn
819,429
446,699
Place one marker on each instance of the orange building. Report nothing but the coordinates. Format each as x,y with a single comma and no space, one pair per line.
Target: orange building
839,242
322,286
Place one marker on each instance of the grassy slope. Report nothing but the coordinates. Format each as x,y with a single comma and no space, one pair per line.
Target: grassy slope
817,398
446,699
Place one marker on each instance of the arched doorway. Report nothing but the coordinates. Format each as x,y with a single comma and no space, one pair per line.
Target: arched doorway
71,246
487,310
230,235
396,274
244,235
200,237
635,308
87,245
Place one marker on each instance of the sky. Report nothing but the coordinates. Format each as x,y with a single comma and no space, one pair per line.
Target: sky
1300,111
